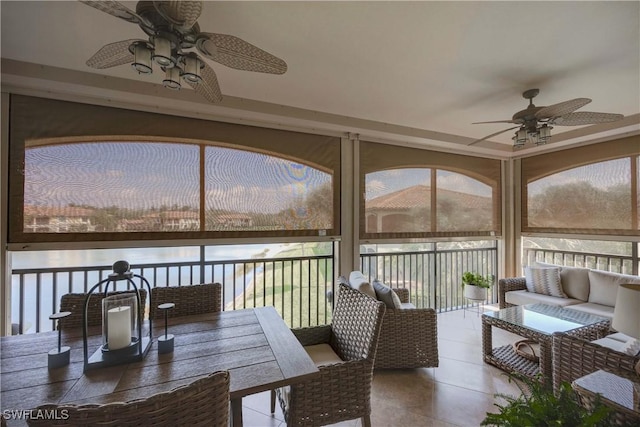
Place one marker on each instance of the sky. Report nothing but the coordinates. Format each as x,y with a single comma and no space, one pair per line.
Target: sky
152,174
389,181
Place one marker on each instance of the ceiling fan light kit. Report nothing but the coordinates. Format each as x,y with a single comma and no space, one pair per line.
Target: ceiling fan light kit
163,54
172,78
191,68
172,32
537,136
141,57
535,123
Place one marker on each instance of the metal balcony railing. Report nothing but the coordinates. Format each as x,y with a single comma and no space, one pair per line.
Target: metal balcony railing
625,264
296,286
433,277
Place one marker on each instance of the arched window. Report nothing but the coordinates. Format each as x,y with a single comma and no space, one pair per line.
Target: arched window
585,190
405,200
74,182
418,193
594,196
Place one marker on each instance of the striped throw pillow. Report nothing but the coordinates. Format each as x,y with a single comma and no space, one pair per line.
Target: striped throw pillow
545,281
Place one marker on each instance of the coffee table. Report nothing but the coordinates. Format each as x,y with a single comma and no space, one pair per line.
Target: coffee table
537,322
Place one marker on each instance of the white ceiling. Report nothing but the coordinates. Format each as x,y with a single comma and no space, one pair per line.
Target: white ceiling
414,72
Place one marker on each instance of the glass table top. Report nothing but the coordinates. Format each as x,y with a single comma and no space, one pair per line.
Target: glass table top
544,318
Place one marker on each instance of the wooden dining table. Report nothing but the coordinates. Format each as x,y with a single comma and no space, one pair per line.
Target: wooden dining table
254,345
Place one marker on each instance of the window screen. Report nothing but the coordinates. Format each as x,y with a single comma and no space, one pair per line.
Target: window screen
593,196
89,173
413,193
591,189
105,187
268,193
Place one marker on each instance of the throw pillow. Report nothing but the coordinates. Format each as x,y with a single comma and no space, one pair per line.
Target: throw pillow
545,281
575,280
604,286
386,295
361,283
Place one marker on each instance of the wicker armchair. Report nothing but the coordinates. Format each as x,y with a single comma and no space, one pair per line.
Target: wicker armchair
408,337
75,304
204,402
342,391
189,300
509,284
575,357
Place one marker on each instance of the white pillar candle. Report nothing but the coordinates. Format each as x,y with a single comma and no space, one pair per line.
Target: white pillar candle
118,327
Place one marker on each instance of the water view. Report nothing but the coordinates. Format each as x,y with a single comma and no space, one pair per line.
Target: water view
237,267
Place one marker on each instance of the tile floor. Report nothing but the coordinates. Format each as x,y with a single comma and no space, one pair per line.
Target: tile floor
457,393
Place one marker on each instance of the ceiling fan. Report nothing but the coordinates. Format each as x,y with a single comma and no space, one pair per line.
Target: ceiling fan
535,123
172,33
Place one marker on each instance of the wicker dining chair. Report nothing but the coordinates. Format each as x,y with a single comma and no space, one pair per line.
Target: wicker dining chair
189,299
74,303
203,402
342,390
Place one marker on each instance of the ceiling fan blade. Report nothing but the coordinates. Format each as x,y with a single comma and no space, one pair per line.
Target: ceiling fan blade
208,88
562,108
498,121
492,135
112,54
116,9
181,13
585,118
237,53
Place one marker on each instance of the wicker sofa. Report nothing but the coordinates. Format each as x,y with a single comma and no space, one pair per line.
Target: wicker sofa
409,335
588,290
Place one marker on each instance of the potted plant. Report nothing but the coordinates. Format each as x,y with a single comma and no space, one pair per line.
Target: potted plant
538,405
475,285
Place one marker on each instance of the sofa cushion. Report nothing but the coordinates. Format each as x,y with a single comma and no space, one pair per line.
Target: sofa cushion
610,343
619,336
361,283
545,281
575,280
525,297
604,286
593,308
386,295
407,305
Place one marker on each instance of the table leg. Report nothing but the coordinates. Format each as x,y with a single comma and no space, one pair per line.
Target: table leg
236,412
546,360
487,346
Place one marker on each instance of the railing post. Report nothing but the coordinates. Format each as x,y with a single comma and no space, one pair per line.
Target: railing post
202,262
434,277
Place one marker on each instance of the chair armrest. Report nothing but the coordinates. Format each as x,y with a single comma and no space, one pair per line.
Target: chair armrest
574,357
346,382
313,335
403,294
509,284
408,339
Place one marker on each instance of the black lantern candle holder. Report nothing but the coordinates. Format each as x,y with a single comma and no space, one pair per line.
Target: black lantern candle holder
122,318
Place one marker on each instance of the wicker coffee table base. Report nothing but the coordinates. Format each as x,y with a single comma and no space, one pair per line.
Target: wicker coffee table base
506,358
